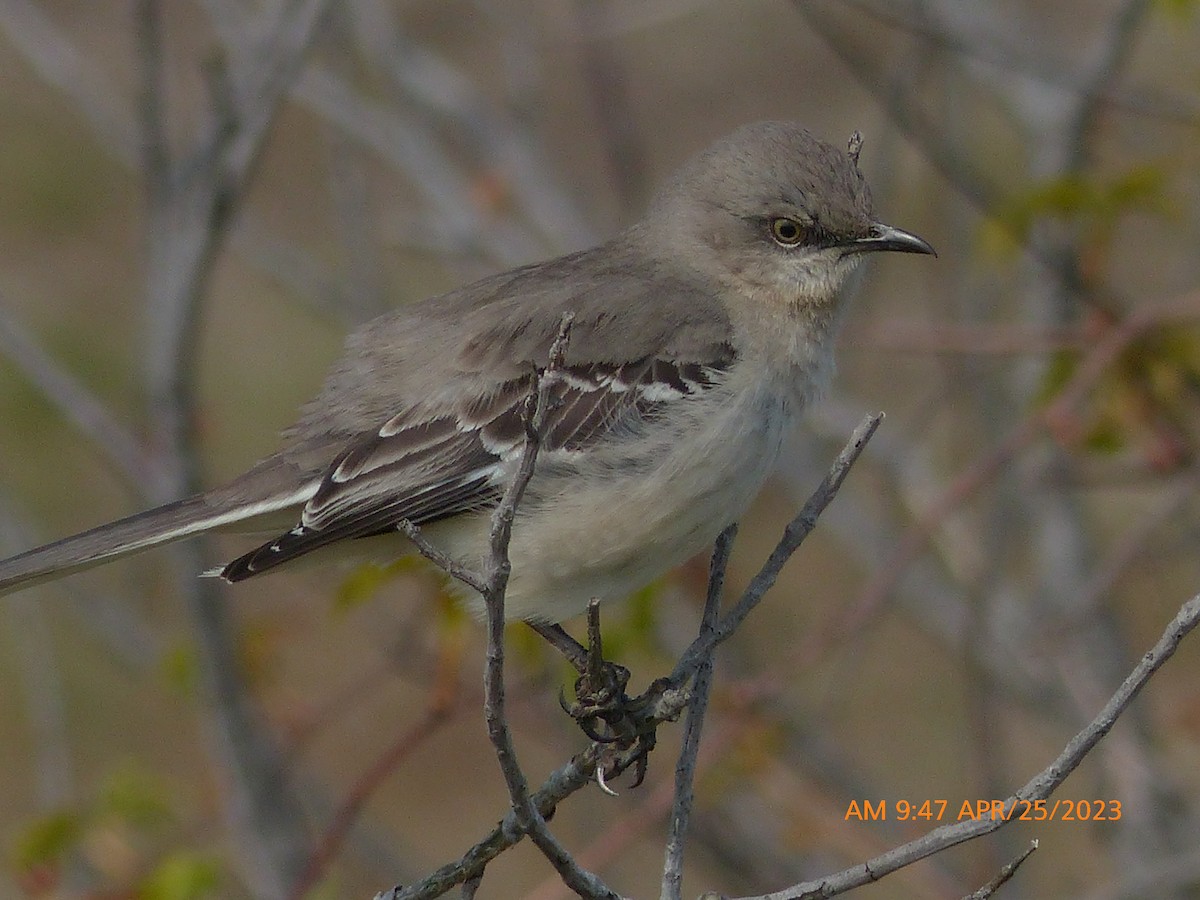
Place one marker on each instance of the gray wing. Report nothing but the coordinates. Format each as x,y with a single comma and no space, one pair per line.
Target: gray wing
427,400
627,306
422,468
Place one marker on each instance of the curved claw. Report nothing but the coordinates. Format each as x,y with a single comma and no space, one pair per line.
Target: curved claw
603,784
608,716
587,726
642,766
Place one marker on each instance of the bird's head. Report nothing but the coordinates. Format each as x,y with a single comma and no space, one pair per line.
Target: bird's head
773,209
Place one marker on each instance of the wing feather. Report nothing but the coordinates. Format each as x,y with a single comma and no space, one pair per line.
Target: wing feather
422,468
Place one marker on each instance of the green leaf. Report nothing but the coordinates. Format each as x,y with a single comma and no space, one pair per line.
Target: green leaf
364,582
47,839
1059,369
1094,202
1141,188
1105,437
135,796
181,876
181,668
629,626
1177,9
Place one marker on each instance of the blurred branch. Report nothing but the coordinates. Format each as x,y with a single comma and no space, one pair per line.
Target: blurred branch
58,63
907,115
1133,544
497,136
411,148
608,87
1116,47
457,226
968,339
39,673
954,163
82,409
998,50
364,287
329,843
128,637
1040,787
983,469
191,201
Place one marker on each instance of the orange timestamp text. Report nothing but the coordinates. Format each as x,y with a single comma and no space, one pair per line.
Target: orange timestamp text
997,810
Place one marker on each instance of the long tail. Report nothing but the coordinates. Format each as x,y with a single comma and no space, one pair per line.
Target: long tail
123,537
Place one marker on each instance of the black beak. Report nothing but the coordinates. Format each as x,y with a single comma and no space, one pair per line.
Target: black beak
885,237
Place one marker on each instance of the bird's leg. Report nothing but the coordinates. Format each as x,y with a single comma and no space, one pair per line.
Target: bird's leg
601,684
600,697
603,709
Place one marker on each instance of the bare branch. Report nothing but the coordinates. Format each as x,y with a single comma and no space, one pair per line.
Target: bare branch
1009,870
562,783
443,561
665,707
793,536
556,636
1040,787
497,568
121,449
685,769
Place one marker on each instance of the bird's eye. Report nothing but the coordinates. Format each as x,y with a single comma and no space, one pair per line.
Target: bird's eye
787,232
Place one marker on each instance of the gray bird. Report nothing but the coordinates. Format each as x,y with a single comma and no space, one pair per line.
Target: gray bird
700,333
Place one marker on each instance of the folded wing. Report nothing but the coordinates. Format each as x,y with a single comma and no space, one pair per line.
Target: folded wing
422,466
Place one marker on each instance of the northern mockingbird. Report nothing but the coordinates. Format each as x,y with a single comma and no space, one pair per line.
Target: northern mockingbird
699,335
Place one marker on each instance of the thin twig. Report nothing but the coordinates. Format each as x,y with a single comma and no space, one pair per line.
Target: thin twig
75,402
443,561
581,770
595,645
498,567
1009,870
793,536
685,768
1040,787
562,783
470,886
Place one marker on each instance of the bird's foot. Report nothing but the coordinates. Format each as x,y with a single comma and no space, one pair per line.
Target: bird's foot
626,726
608,715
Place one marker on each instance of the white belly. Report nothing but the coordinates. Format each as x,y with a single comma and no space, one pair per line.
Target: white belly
578,537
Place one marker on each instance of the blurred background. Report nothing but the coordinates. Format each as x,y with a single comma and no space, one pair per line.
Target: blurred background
198,199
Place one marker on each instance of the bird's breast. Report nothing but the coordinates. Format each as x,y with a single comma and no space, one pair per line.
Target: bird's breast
626,513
